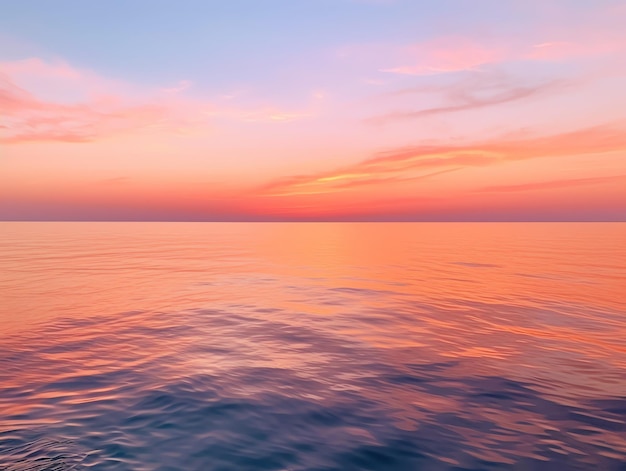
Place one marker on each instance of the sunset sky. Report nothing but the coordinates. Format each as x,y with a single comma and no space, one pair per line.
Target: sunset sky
313,110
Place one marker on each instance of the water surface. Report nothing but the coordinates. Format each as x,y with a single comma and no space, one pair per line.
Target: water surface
201,346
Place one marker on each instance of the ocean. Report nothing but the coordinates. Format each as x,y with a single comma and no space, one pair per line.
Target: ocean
312,346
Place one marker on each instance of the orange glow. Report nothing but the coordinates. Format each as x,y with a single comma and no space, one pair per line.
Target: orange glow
347,264
445,131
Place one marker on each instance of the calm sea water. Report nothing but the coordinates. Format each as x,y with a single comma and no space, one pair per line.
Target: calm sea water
201,346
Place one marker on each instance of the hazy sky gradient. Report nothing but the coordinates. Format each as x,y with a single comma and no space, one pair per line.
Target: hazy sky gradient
313,110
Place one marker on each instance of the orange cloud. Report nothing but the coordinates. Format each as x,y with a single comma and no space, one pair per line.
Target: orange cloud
596,139
334,182
420,162
548,185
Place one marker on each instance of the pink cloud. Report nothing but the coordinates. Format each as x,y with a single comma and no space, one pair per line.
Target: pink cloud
564,50
600,35
447,55
44,101
27,118
37,67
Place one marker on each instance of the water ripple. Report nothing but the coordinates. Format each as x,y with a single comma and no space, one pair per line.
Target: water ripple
267,356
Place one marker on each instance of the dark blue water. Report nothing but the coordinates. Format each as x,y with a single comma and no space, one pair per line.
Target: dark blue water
243,352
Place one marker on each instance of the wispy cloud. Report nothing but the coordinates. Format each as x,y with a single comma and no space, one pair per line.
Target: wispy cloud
421,162
564,50
552,184
596,139
181,86
332,182
43,101
27,119
479,91
446,55
598,36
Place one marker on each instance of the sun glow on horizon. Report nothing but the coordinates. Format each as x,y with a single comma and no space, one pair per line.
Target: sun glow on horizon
380,118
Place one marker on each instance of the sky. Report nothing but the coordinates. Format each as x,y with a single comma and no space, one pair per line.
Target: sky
320,110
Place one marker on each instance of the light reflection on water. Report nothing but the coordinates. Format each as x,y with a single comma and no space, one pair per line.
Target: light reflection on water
312,346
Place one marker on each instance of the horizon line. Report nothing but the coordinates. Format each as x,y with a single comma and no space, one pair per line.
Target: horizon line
327,220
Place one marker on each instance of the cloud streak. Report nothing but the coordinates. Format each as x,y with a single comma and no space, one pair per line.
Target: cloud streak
420,162
481,91
552,184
